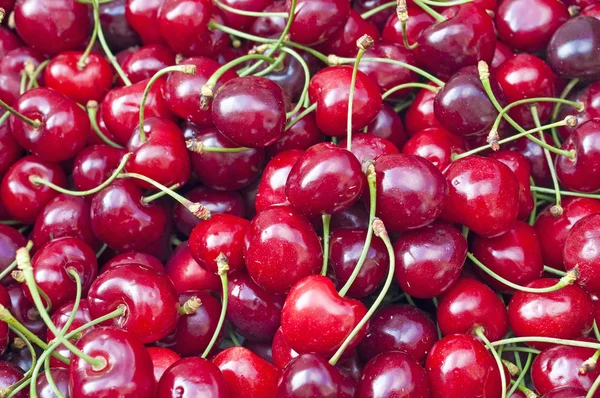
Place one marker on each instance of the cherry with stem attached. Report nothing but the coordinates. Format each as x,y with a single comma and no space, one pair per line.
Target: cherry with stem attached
222,269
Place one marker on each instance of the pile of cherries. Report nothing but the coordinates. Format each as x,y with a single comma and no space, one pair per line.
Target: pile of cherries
300,198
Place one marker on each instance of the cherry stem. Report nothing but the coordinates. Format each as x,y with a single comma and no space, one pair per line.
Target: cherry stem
569,278
371,181
551,340
23,85
521,377
197,146
557,106
190,306
277,65
589,364
233,337
92,110
373,11
50,379
567,193
102,250
409,85
4,118
402,14
363,44
438,17
300,116
35,123
33,77
522,349
27,375
13,265
554,271
81,64
175,241
160,194
111,57
380,231
223,268
534,195
10,222
326,221
593,388
596,331
479,332
37,181
446,4
304,95
249,13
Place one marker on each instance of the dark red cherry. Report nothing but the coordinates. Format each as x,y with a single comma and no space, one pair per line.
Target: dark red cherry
528,25
271,189
94,139
582,248
429,260
5,332
260,348
519,165
151,308
393,374
330,90
459,365
223,171
242,22
91,82
418,20
183,23
354,217
325,179
10,150
250,111
182,90
538,164
420,114
566,392
59,318
281,248
281,351
345,247
484,195
502,53
122,221
142,16
189,377
119,35
63,124
142,63
316,20
162,359
571,51
270,26
369,147
342,42
60,377
23,199
186,274
52,27
213,42
128,368
437,145
566,313
387,124
590,98
246,374
301,135
143,259
316,319
14,62
379,19
25,312
399,328
526,76
470,304
514,255
94,165
9,375
10,86
254,312
10,241
410,191
8,40
464,38
582,172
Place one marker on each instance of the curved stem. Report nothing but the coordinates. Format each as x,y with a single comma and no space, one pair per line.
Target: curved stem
50,380
360,54
326,221
567,193
522,349
33,77
35,123
304,65
419,71
300,116
159,194
249,13
551,340
534,195
409,85
593,388
92,110
375,10
233,337
521,377
23,85
197,146
556,109
479,332
277,64
438,17
88,49
223,267
101,250
557,208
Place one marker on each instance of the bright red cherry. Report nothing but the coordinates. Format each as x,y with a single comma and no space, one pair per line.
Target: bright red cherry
418,20
388,125
581,173
143,259
60,377
189,377
271,189
301,135
162,359
565,392
316,20
10,241
582,248
436,145
243,22
538,164
142,16
368,147
10,150
281,351
14,62
94,165
183,23
520,166
186,274
59,318
420,114
342,42
502,54
590,98
142,63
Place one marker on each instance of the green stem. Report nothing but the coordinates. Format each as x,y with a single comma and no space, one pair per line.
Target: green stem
522,349
102,250
521,377
326,221
375,10
249,13
50,380
277,64
27,375
446,4
480,333
556,109
198,147
304,94
92,110
438,17
409,85
360,54
554,271
81,64
159,194
23,86
557,206
10,222
35,123
223,268
550,340
33,78
419,71
233,337
593,388
567,193
534,195
596,331
300,116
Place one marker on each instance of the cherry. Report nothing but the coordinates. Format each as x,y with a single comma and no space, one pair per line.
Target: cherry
52,27
243,22
281,248
502,53
260,348
127,366
489,209
459,365
223,171
410,191
247,374
151,308
10,84
23,199
14,62
142,63
186,274
560,366
250,111
570,51
119,35
60,377
61,123
25,312
281,352
420,114
342,42
345,247
254,312
270,25
514,255
142,16
379,19
590,98
8,40
9,375
4,330
538,164
189,377
330,90
290,75
183,24
316,20
316,319
593,10
429,260
10,241
94,165
354,217
271,189
60,318
566,392
418,20
581,252
526,76
519,165
393,374
162,359
580,173
464,38
388,125
143,259
10,150
566,313
386,75
399,328
94,139
213,42
435,144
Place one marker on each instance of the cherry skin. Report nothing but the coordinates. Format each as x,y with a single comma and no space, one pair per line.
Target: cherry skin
520,166
581,252
247,374
128,371
529,25
250,111
315,319
10,241
316,20
52,27
10,150
420,114
369,147
399,328
94,139
10,85
393,374
189,377
460,366
23,199
379,19
281,351
464,38
354,217
25,312
581,173
142,63
143,259
435,144
260,348
301,135
186,274
119,35
94,165
182,24
345,247
429,260
418,20
4,330
142,16
281,247
502,53
570,51
330,90
60,318
590,98
489,209
162,359
122,221
8,40
566,392
342,42
63,124
242,22
388,125
410,191
9,375
566,313
271,189
538,164
14,62
593,10
61,380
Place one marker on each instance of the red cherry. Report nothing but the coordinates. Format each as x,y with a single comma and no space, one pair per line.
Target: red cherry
59,319
420,114
14,62
581,173
60,377
592,10
281,248
94,165
566,313
142,63
316,20
142,16
379,19
192,376
538,164
282,353
581,251
301,135
186,274
8,40
271,189
418,20
183,23
127,371
143,259
436,145
162,359
10,150
316,319
242,22
369,147
10,241
566,392
4,331
387,124
429,260
260,348
342,42
9,375
119,35
519,165
590,98
502,53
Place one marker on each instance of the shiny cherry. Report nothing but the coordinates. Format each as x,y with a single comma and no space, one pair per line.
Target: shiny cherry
8,40
589,97
316,20
142,16
189,377
143,259
281,351
59,318
301,135
10,150
388,125
342,42
369,147
437,145
538,164
379,19
142,63
60,377
186,274
94,165
243,22
162,359
420,114
565,392
581,252
520,167
9,375
502,53
119,35
183,23
10,241
271,188
581,173
418,20
14,62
